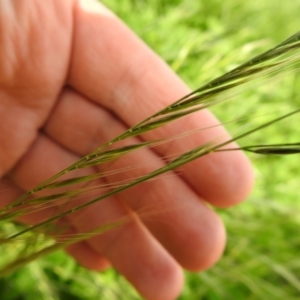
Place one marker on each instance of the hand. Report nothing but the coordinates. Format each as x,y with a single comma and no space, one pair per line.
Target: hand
72,77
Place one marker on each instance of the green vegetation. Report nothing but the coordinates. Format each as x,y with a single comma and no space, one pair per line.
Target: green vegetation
201,41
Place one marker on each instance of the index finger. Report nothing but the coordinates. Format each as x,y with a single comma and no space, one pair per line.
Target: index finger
114,68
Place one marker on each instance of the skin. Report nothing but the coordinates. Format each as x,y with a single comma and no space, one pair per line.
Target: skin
74,76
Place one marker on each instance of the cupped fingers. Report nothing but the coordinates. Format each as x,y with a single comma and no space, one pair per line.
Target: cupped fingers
173,212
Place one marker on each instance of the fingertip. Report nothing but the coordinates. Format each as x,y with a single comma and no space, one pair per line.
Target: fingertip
205,245
238,177
172,280
247,177
169,283
87,257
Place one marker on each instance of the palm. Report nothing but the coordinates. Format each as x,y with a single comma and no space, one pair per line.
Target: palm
35,55
65,68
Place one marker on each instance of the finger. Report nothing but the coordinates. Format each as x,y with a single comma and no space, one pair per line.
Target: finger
132,250
18,131
153,271
116,69
171,210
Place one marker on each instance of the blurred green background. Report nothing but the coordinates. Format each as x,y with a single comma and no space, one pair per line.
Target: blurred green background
201,40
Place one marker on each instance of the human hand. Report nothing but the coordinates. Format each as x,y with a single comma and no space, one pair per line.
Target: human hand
72,77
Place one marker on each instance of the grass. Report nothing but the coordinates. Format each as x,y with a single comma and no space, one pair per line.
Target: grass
261,258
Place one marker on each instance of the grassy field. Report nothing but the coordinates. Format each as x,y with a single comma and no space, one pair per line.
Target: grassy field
201,40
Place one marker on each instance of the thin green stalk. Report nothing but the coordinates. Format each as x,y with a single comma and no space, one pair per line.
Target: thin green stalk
199,99
181,160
